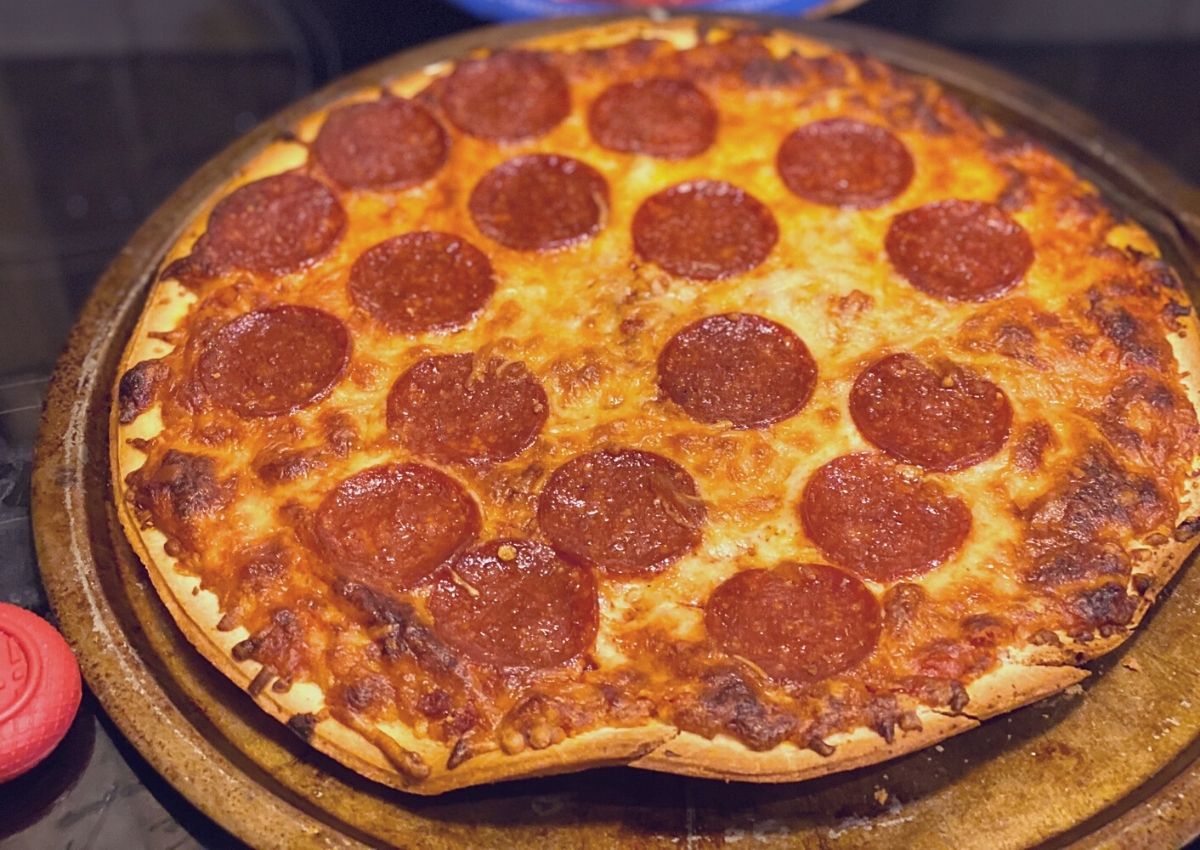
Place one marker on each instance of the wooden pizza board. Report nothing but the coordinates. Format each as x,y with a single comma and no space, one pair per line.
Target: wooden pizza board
1115,763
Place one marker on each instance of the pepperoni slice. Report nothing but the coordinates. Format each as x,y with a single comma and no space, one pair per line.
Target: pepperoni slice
422,281
456,409
704,229
739,368
275,225
661,116
625,511
940,416
507,96
274,361
798,622
390,526
866,516
540,202
514,603
959,250
389,143
844,163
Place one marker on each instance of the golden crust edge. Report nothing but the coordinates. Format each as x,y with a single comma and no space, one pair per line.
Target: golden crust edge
1032,673
1008,687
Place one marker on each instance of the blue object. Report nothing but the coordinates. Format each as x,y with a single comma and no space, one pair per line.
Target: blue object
510,10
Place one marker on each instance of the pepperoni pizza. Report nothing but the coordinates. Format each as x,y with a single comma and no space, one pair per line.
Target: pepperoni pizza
687,397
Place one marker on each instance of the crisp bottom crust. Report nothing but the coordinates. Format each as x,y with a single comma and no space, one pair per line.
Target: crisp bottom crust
380,753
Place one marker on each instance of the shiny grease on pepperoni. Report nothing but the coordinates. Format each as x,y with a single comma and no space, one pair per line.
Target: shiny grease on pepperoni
624,511
390,526
959,250
797,622
840,162
660,116
704,229
388,143
540,202
866,515
506,96
937,415
274,225
422,281
515,603
274,361
456,409
739,368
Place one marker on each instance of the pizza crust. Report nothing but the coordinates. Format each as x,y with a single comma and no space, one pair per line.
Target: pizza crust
1029,673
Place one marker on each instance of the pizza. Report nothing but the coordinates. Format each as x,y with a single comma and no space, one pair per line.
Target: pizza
696,398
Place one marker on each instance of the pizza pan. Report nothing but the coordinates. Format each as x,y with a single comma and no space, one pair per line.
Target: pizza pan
1115,763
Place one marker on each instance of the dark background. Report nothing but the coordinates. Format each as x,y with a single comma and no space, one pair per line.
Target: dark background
107,105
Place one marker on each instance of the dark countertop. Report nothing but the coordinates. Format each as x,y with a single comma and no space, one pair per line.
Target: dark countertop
107,105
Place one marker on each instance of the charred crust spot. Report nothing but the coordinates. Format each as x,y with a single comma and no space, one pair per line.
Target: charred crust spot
369,693
1088,207
883,713
408,634
460,752
728,58
1172,312
260,572
304,726
870,69
1142,583
260,681
341,434
1148,422
728,703
180,488
902,603
958,698
770,72
137,389
830,69
1099,497
1045,637
1030,445
435,704
910,721
1012,332
985,629
279,466
1015,341
278,645
1135,338
1161,275
1187,530
1016,194
820,747
936,691
1071,564
1107,605
243,650
382,609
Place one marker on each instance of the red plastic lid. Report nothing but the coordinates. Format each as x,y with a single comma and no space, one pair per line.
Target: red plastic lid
39,690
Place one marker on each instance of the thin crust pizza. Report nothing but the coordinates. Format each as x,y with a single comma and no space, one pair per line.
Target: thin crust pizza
695,398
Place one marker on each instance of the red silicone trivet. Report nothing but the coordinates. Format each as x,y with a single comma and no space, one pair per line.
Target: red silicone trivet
39,690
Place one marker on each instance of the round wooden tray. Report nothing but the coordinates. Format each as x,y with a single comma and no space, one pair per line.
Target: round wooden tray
1117,764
